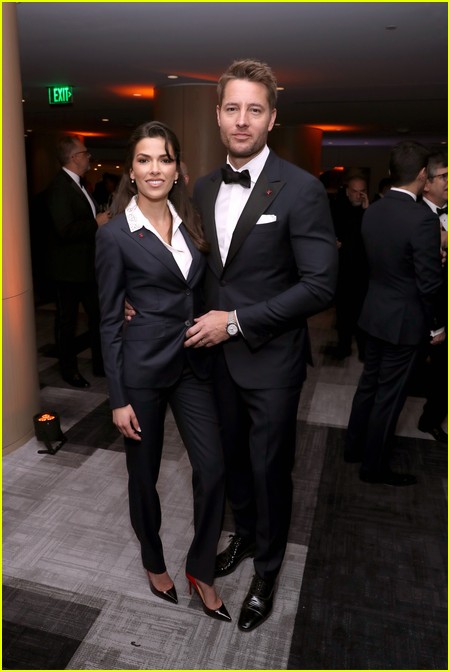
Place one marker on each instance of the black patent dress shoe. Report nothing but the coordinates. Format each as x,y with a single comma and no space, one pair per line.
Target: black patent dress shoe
387,478
76,380
257,604
437,433
238,549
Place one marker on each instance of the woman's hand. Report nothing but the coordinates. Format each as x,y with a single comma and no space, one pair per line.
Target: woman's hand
129,311
126,422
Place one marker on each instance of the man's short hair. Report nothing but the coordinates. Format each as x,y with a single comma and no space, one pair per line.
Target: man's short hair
407,159
253,71
64,147
438,159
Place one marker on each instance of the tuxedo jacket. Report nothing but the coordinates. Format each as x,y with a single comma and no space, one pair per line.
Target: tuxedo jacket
71,229
148,351
402,241
280,269
441,301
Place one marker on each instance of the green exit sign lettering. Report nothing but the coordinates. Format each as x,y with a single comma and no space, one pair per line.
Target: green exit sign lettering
60,95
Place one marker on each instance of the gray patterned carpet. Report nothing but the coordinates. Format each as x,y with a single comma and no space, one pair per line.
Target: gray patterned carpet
363,585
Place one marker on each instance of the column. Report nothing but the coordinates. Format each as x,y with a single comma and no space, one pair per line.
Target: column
20,374
190,111
301,145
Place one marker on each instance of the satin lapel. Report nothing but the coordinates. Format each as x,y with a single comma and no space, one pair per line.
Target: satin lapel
77,190
154,246
209,221
264,192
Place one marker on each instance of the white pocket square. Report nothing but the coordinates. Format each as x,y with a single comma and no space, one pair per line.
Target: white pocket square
265,219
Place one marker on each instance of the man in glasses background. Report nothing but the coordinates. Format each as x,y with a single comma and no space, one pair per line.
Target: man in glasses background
72,222
402,240
435,195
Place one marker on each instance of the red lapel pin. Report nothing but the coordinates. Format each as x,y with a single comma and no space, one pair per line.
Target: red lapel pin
268,192
141,235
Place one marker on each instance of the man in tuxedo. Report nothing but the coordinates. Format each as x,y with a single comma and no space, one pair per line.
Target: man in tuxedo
272,264
435,195
70,246
402,242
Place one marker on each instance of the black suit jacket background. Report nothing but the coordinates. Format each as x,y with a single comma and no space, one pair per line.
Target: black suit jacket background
70,232
402,242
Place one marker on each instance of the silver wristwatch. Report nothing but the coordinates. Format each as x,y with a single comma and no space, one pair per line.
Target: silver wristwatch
232,327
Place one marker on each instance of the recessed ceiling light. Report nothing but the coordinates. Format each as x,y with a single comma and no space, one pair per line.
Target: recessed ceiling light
172,76
105,119
280,88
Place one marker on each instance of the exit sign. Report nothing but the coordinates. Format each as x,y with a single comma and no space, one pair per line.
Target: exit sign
60,95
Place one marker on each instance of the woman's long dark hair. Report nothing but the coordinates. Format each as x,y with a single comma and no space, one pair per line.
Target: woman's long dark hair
178,195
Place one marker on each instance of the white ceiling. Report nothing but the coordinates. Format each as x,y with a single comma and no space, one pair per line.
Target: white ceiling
339,62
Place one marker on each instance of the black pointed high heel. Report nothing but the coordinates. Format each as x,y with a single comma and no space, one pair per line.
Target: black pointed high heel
168,595
220,613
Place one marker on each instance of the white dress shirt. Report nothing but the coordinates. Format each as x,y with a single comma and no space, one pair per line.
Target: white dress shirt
76,179
178,246
231,201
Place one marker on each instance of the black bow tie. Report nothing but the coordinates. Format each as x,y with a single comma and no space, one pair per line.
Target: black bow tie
232,176
442,211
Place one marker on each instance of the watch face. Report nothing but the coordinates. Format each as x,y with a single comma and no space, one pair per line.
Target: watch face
232,329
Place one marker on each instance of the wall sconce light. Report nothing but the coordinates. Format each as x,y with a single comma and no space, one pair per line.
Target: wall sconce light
48,429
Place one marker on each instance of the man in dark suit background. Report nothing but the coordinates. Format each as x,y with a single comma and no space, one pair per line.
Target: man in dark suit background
71,228
402,242
347,211
272,264
435,195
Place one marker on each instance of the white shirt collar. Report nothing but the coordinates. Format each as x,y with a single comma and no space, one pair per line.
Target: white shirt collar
255,165
136,219
432,205
405,191
74,176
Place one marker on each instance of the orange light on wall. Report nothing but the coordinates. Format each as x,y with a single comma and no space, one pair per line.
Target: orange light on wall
90,134
333,128
136,90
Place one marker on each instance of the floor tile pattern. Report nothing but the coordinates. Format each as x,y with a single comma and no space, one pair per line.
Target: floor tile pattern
363,585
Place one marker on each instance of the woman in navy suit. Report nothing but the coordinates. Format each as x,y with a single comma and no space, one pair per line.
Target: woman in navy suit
152,252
